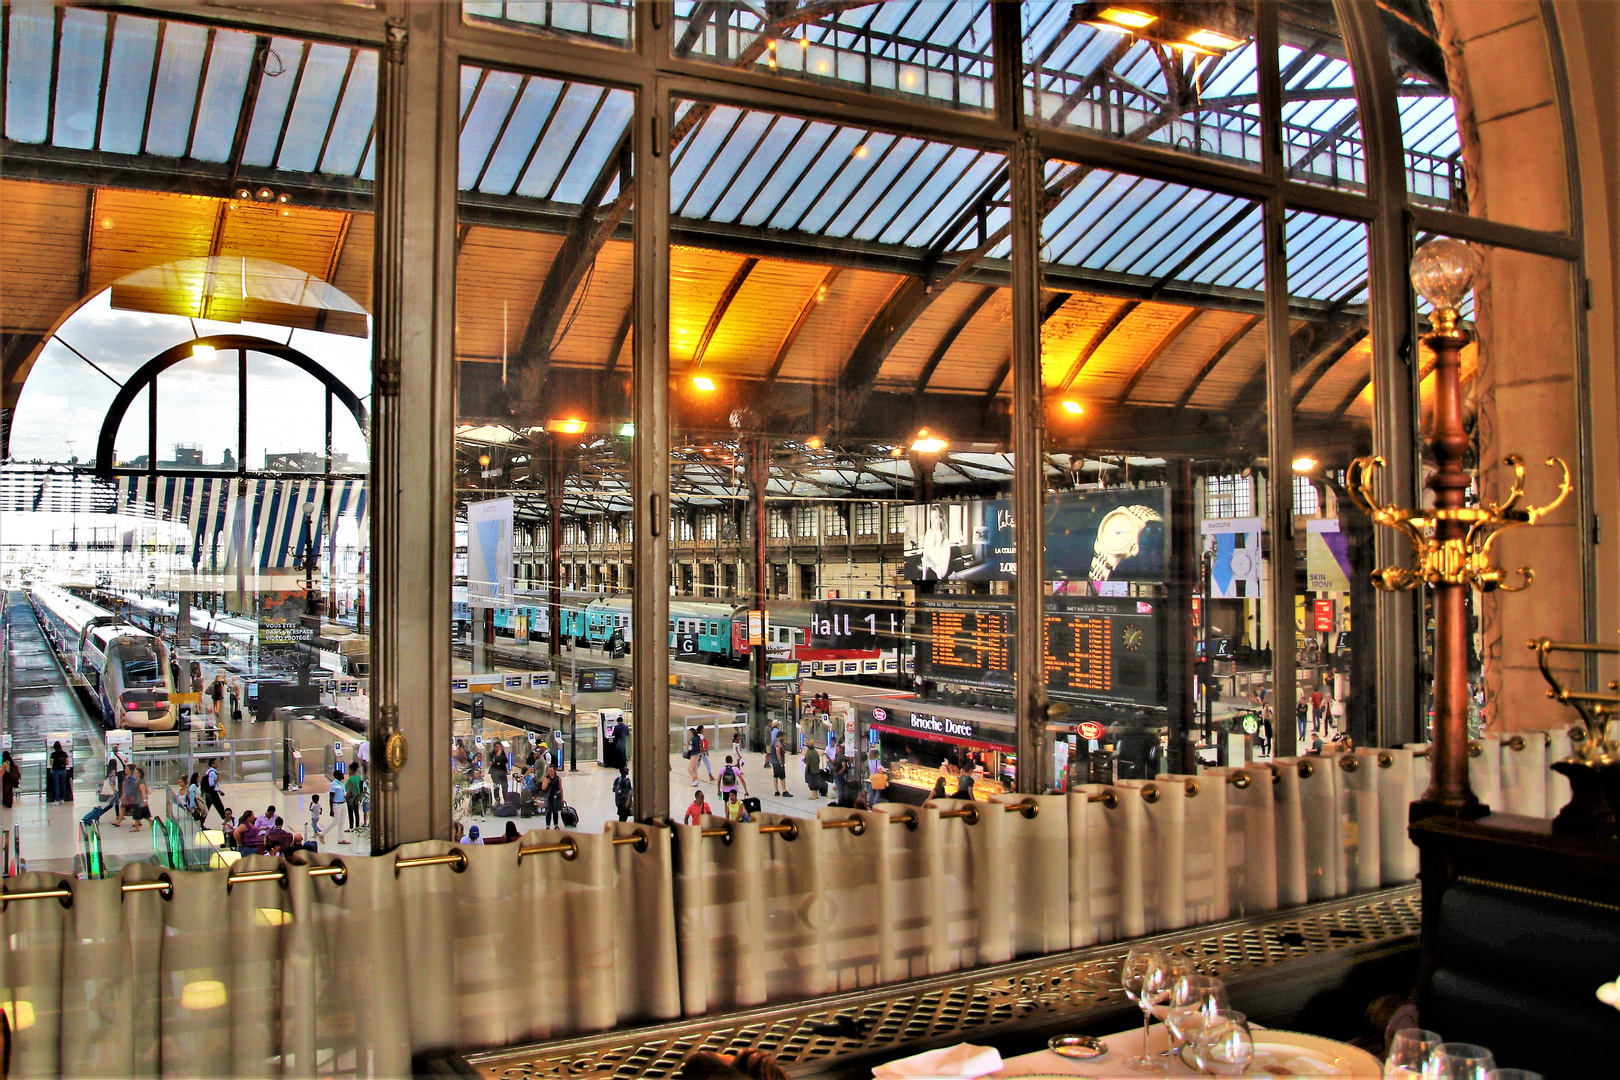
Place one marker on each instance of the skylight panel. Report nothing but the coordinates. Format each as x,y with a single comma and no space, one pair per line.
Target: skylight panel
726,169
578,105
356,116
598,148
874,205
129,75
29,59
318,90
697,153
175,95
964,176
815,180
481,124
282,67
229,67
522,133
78,81
801,142
925,183
863,158
774,141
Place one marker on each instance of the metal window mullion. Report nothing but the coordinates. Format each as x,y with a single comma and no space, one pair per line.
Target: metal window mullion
202,87
337,107
304,51
1396,409
500,134
56,71
412,517
1279,390
651,466
602,95
151,85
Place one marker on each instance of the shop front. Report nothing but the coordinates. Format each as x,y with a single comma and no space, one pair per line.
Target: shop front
918,745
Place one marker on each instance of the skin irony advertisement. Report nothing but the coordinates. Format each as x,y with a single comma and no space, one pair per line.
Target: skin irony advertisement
1090,536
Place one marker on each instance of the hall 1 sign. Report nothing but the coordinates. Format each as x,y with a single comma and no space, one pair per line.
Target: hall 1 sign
1324,616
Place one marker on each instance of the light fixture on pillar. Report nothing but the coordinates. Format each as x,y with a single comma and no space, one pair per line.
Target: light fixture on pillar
1304,466
569,426
926,443
703,384
1451,544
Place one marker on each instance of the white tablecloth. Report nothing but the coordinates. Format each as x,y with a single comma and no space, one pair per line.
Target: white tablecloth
1127,1044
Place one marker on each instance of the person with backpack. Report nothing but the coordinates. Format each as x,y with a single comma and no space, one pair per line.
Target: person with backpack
210,793
697,751
812,771
730,777
623,794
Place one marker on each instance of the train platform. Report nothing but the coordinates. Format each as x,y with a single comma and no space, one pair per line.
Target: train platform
42,706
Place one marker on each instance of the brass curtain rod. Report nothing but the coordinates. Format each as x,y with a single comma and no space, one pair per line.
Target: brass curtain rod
164,886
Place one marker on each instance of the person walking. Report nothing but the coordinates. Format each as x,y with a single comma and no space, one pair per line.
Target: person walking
730,777
621,741
364,770
216,700
551,798
1299,716
699,807
623,793
353,790
737,746
841,777
134,802
233,694
10,777
334,799
315,831
703,753
210,792
1316,709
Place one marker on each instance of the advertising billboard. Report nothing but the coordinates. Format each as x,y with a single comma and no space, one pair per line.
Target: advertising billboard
1103,536
1233,548
489,553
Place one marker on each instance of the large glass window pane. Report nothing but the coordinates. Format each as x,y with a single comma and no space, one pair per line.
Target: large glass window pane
205,202
935,52
1520,396
1180,76
604,22
1331,364
854,371
1493,146
1159,584
543,444
1321,124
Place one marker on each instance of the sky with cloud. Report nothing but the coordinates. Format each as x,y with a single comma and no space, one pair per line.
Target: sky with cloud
62,405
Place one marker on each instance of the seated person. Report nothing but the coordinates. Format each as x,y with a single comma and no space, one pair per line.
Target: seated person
279,840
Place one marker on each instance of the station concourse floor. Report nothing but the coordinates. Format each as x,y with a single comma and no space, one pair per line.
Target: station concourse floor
40,702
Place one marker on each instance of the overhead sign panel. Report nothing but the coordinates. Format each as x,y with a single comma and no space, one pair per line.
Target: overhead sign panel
1118,535
489,553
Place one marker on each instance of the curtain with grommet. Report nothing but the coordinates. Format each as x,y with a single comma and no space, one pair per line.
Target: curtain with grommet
1250,838
1205,886
1038,897
1293,870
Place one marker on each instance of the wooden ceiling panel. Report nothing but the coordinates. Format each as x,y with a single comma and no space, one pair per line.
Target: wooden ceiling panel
1180,361
135,230
1072,331
907,359
1117,356
698,278
498,276
980,352
832,330
41,253
591,324
762,312
352,269
1352,371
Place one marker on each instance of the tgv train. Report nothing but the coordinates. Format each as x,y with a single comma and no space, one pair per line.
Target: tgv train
222,635
125,669
699,630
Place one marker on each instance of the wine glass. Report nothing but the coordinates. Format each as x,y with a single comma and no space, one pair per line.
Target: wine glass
1458,1061
1194,1000
1179,967
1408,1050
1145,977
1225,1045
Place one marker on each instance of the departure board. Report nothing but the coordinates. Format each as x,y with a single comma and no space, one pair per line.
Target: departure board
1098,649
1102,648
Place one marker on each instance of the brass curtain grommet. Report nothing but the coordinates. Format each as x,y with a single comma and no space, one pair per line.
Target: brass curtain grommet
1306,770
1150,793
1191,786
1349,762
1108,798
1385,759
1239,780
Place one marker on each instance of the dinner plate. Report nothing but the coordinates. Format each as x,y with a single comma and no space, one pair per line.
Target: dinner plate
1290,1053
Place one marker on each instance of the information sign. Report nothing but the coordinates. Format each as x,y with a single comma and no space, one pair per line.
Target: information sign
756,628
1324,616
856,624
783,671
1090,730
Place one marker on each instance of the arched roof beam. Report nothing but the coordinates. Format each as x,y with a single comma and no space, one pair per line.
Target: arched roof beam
148,372
1157,351
950,336
799,320
1049,308
745,268
1214,361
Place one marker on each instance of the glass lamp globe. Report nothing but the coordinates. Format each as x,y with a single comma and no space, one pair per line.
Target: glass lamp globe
1443,271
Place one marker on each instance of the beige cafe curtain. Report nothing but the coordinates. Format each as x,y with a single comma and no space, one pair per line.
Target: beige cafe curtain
358,965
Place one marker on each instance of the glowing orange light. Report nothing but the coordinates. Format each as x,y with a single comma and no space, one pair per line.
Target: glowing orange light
1073,408
703,383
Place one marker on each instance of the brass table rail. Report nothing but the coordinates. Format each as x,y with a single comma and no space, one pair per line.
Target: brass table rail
963,1005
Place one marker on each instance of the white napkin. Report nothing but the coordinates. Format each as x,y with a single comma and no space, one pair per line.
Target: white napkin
964,1062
